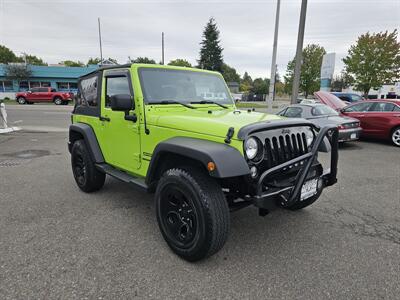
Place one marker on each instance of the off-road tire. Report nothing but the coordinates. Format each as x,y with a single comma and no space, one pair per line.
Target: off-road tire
209,206
58,101
395,136
21,100
86,175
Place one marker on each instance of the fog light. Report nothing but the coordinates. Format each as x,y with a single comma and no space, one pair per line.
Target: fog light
253,172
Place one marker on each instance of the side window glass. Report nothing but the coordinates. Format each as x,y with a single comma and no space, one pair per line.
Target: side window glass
116,86
359,107
34,90
43,90
396,108
87,93
382,106
356,98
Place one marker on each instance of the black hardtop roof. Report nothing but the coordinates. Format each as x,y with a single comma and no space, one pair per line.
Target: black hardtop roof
107,68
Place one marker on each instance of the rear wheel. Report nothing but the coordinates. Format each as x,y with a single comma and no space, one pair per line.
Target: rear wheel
58,101
396,136
192,213
21,100
87,177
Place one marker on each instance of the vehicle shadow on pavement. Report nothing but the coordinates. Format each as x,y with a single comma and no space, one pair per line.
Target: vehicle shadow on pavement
275,234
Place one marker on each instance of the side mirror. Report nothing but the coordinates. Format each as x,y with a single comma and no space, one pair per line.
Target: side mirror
29,92
122,102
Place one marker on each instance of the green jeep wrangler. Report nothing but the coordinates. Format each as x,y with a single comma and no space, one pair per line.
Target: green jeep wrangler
176,132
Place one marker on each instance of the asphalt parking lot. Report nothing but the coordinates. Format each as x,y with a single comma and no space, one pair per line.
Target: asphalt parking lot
58,242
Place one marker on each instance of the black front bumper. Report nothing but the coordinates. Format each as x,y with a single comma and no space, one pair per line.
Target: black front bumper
291,194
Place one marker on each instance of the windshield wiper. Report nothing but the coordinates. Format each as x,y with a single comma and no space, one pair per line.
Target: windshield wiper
209,102
173,102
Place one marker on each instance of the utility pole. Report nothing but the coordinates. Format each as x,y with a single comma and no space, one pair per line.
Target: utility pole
299,51
273,64
162,48
101,50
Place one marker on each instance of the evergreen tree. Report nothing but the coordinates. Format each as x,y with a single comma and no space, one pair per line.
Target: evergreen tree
211,51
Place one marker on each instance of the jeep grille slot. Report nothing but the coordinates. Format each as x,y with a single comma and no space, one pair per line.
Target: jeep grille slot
282,148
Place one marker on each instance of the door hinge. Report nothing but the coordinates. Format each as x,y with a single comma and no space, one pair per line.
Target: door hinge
137,156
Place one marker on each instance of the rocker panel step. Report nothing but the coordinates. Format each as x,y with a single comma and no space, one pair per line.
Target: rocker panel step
110,170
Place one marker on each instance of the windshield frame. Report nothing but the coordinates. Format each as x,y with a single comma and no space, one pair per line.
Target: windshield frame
228,101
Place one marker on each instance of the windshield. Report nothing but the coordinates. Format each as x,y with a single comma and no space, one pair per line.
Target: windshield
182,86
323,110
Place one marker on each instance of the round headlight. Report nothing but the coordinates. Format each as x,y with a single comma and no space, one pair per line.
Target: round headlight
309,137
251,148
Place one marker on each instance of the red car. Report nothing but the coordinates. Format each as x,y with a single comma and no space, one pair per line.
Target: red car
378,118
44,94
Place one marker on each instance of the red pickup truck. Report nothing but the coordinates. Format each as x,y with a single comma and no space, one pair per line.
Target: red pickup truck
44,94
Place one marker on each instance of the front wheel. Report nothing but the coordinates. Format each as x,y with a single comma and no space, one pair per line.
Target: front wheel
58,101
87,177
21,100
396,136
192,213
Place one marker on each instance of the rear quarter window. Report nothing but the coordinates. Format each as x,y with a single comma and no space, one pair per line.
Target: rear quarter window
87,91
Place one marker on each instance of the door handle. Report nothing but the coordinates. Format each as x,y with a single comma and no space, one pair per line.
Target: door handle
104,119
132,118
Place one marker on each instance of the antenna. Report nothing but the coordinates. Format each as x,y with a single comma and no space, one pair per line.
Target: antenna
162,48
101,50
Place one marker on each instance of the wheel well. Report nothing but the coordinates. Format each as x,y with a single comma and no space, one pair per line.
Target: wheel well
168,161
74,136
21,97
56,97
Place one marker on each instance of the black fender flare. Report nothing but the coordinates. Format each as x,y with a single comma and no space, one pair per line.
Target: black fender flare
86,131
229,162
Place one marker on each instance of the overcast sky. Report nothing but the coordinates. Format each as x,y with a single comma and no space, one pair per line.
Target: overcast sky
57,30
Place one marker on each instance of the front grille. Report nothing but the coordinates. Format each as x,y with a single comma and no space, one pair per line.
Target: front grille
282,148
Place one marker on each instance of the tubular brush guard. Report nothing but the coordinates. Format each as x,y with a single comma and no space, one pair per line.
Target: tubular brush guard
263,199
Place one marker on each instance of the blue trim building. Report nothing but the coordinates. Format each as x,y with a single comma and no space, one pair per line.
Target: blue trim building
58,77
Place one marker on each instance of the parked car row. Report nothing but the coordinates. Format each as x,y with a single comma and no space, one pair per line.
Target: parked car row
44,94
369,118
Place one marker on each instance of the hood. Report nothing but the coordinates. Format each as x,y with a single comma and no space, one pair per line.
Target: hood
201,121
330,100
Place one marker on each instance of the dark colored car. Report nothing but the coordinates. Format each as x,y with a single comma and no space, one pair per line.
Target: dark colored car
348,97
44,94
322,115
378,118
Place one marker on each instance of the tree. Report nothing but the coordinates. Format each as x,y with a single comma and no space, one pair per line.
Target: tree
97,61
246,83
93,61
179,62
230,74
374,60
17,72
144,60
342,81
310,70
211,51
33,60
260,86
7,55
70,63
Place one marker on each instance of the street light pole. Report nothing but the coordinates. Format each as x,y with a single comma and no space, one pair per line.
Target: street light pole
101,50
299,51
273,64
162,48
